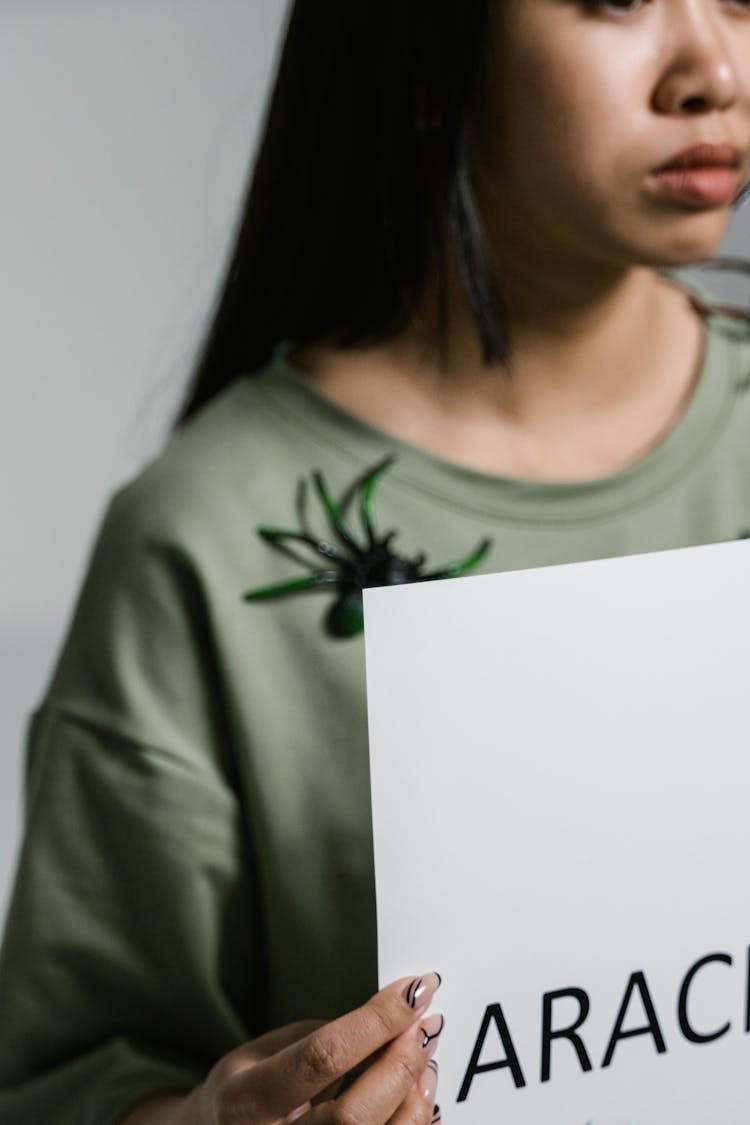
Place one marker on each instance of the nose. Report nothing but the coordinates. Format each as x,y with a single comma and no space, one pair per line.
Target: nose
701,72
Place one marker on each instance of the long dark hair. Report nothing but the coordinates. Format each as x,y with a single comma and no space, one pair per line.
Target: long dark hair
359,186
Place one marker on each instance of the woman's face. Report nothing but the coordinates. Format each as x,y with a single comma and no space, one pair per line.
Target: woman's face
583,100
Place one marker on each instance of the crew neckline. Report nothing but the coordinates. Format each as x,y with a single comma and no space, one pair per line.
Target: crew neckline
294,397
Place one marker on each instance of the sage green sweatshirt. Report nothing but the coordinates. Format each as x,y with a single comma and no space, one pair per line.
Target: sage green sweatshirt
197,857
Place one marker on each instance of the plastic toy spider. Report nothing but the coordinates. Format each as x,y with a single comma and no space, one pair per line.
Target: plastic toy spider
354,567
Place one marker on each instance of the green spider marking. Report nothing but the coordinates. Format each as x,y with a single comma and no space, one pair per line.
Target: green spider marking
353,567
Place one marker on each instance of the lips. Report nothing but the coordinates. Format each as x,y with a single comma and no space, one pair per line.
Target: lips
704,156
704,175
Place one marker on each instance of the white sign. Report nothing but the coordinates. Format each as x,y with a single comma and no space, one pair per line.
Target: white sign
560,764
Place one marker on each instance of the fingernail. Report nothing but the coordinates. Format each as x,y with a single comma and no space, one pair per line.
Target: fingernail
420,991
430,1029
428,1083
436,1115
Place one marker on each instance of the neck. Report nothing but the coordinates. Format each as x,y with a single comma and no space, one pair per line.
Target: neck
599,370
570,333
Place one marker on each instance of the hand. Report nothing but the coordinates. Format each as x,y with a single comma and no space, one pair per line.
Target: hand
294,1072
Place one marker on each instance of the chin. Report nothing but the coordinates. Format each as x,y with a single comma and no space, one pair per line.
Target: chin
694,243
682,260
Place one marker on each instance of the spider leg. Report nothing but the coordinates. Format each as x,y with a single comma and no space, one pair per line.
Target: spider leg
294,585
276,538
456,569
335,515
388,538
367,494
292,553
300,503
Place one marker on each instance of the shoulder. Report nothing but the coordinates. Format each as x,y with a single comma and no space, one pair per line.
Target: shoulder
729,348
171,558
240,448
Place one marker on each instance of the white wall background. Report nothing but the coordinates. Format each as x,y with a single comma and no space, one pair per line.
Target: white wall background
126,133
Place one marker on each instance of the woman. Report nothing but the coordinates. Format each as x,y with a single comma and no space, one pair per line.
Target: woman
451,255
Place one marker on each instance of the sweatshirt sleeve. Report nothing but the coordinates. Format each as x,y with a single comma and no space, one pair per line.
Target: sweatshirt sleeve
130,961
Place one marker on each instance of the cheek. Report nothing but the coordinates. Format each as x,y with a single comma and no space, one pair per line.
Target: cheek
575,104
567,115
556,136
589,127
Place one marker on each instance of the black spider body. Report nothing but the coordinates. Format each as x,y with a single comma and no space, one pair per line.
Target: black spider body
378,566
354,567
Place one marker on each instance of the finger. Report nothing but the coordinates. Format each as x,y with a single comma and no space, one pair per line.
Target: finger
274,1041
256,1050
330,1092
419,1107
413,992
389,1083
303,1070
297,1113
326,1095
